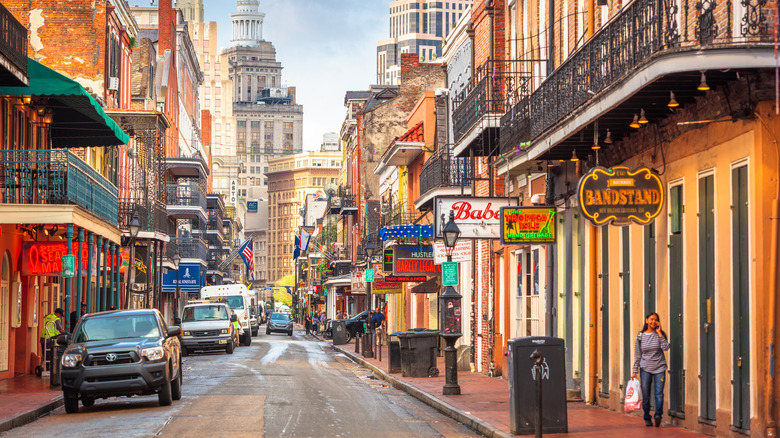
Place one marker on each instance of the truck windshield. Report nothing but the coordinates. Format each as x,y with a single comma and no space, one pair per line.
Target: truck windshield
236,302
115,327
205,313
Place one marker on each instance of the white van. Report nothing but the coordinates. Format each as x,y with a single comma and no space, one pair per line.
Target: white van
238,298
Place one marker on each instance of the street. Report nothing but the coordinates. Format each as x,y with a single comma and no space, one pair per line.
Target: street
279,386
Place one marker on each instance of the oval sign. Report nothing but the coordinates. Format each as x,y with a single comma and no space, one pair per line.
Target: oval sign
619,195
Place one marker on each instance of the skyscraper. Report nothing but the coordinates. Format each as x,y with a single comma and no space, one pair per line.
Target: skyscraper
415,27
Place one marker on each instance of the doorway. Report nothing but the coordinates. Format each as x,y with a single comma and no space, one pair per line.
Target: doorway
676,290
741,275
5,312
707,295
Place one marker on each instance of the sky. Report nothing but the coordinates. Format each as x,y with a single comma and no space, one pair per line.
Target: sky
326,47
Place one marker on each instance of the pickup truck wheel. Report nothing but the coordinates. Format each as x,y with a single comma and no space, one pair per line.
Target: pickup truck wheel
176,386
87,401
229,348
164,395
71,402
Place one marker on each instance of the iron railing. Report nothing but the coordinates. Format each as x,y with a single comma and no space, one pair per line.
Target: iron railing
13,39
192,247
400,213
444,170
643,30
189,194
486,94
152,216
171,248
56,176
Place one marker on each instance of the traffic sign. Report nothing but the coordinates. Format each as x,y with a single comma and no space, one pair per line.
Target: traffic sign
370,275
449,274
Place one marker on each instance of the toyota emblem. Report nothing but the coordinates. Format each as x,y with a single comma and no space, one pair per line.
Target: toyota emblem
110,357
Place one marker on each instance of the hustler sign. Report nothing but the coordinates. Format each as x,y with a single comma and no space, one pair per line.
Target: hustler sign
618,195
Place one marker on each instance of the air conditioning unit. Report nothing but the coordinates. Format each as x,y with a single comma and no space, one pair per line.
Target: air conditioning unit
113,83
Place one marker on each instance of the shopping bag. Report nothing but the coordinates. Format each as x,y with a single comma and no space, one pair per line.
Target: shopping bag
633,396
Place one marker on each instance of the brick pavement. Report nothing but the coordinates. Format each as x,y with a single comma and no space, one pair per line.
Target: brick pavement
487,399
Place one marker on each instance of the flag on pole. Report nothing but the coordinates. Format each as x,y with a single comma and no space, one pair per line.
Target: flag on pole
248,255
297,250
305,239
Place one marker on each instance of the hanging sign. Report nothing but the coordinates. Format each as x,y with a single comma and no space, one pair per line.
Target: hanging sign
449,274
251,206
382,285
233,192
414,260
45,258
369,275
461,252
476,217
358,283
619,195
527,225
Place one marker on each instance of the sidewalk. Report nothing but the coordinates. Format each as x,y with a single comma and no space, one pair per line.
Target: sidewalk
484,404
24,399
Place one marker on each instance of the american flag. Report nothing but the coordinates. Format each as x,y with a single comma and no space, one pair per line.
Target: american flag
248,254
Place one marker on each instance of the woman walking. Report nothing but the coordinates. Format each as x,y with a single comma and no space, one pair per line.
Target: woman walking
649,357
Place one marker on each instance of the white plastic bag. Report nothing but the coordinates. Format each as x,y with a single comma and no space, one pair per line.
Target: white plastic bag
633,396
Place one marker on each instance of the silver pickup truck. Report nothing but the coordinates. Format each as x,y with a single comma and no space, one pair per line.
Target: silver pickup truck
207,326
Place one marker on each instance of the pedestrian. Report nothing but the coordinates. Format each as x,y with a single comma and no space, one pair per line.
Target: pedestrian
307,323
52,327
650,362
74,316
376,322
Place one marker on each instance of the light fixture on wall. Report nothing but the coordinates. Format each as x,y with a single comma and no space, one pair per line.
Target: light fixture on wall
672,101
608,139
703,86
642,118
635,123
574,155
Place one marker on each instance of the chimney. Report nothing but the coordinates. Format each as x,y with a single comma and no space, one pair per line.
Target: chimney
166,26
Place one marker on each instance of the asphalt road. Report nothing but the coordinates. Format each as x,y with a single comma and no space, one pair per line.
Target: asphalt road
277,387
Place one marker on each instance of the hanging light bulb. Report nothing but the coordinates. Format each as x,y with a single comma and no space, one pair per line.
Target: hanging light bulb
635,123
703,86
672,101
642,119
574,155
608,139
549,164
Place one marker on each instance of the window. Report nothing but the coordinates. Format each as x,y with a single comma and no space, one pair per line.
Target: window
269,125
255,124
241,123
288,126
288,137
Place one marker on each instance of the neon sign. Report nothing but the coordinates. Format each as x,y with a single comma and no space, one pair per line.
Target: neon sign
45,258
523,225
618,195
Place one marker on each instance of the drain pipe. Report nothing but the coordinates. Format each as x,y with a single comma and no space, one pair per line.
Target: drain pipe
771,425
593,310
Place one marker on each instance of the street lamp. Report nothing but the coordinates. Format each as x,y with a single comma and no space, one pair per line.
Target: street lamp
176,295
450,316
369,256
134,227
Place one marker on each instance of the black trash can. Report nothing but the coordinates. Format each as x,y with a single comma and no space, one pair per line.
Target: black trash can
339,330
418,354
523,384
394,353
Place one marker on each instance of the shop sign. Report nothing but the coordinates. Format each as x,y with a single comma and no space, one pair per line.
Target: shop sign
358,282
382,285
449,274
251,206
414,260
387,260
233,192
406,278
619,195
369,275
477,218
527,225
461,252
68,260
45,258
189,278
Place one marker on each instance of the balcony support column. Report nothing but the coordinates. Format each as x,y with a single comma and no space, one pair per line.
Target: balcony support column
110,285
99,278
68,281
79,272
117,264
105,289
90,291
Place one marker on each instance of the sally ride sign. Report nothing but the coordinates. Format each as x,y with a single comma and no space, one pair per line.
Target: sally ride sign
619,195
477,218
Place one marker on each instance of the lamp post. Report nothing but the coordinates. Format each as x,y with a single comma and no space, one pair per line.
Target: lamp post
369,256
177,293
450,315
134,227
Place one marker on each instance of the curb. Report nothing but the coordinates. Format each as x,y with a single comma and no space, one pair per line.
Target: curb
468,420
30,416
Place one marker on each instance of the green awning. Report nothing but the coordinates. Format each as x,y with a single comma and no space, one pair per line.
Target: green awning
78,118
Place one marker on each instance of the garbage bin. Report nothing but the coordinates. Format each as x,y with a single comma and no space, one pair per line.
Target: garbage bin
339,330
418,353
523,385
394,353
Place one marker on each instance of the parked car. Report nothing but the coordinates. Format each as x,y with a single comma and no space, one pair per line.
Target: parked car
207,326
279,322
355,324
121,353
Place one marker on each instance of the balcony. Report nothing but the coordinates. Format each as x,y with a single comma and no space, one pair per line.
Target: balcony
443,175
185,200
171,248
152,215
56,176
477,114
631,64
400,213
13,50
191,247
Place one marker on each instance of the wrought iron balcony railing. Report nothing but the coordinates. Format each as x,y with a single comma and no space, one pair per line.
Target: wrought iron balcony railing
638,35
186,195
171,248
486,94
13,40
151,214
192,247
444,170
56,176
399,213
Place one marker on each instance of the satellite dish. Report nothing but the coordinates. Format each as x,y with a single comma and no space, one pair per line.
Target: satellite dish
331,189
